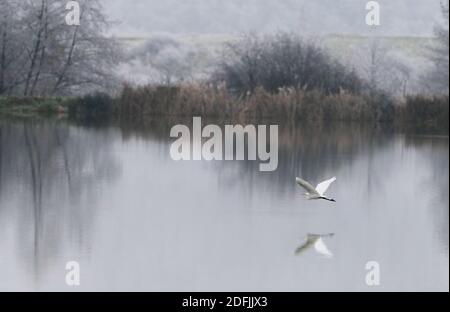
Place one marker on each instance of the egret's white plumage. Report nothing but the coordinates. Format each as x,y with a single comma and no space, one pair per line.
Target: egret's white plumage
318,243
322,187
319,191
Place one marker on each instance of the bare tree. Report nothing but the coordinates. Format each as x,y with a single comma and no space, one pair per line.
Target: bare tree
4,24
88,55
11,45
39,28
246,62
437,79
41,55
283,60
167,60
383,69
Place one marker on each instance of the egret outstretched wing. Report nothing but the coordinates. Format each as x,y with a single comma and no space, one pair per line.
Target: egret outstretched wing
322,187
308,187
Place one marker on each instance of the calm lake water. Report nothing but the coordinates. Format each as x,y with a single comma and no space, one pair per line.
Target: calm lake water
112,199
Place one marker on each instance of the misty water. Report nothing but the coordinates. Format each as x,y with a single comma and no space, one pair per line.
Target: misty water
111,198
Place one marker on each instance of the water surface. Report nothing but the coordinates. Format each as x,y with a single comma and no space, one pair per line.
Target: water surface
112,199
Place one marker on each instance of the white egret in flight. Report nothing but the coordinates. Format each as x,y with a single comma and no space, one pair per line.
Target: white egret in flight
319,191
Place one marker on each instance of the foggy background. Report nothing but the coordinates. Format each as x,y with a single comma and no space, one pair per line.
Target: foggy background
149,42
398,17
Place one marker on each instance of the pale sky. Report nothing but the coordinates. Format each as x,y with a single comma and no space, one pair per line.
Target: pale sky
398,17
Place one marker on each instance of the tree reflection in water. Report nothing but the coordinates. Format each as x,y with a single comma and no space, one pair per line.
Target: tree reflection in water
52,163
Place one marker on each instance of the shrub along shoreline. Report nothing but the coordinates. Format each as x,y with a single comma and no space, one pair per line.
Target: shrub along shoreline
34,106
137,103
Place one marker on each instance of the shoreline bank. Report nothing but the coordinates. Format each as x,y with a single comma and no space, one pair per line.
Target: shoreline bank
141,103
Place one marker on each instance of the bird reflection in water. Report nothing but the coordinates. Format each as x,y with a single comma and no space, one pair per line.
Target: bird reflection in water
317,242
